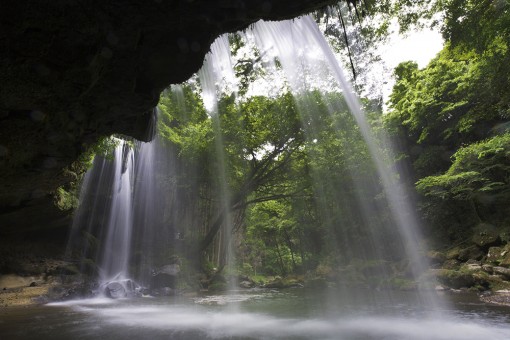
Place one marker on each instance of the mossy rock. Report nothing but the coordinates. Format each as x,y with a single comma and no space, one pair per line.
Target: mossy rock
504,235
280,283
436,257
453,264
465,254
455,278
486,235
218,286
499,256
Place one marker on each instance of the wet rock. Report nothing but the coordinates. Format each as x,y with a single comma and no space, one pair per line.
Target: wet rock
469,253
505,272
169,269
436,257
499,256
472,267
464,254
486,235
455,279
488,268
451,264
494,255
120,289
115,290
502,298
246,284
73,290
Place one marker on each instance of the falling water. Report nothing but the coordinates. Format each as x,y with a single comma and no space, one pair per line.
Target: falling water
117,241
307,59
217,72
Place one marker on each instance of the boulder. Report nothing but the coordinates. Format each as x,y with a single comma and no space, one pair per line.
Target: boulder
465,254
115,290
505,272
486,235
246,284
455,279
436,257
488,268
169,269
472,267
499,256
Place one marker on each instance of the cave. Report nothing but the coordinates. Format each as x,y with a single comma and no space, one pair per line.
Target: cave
75,71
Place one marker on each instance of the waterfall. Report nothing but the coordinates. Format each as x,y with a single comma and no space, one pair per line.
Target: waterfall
217,70
308,60
136,219
117,240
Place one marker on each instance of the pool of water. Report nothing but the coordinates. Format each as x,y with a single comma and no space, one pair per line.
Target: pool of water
261,314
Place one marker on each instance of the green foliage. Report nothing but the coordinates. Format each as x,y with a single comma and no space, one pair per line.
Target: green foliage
65,200
480,168
184,123
66,196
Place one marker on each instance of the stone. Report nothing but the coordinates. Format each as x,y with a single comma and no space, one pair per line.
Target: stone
246,284
499,256
502,271
121,289
451,264
436,257
472,266
115,290
485,235
455,279
488,268
169,269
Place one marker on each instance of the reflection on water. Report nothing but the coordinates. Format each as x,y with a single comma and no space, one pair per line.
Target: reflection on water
263,314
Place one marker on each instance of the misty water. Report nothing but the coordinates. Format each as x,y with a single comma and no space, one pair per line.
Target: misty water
261,314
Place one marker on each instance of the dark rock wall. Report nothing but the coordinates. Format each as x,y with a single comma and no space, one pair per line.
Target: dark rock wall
72,71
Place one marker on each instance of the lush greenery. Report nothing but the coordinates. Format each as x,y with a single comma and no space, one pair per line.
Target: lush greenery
298,175
451,120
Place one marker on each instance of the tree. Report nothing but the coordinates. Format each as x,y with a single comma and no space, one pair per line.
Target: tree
480,174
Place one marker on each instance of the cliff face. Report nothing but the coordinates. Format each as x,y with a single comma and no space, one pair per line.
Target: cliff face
72,71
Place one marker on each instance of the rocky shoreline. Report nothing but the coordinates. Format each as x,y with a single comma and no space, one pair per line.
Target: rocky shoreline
42,292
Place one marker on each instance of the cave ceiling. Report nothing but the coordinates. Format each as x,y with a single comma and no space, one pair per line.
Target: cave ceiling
73,71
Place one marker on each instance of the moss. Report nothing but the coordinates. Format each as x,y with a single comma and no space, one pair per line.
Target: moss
455,278
400,283
217,286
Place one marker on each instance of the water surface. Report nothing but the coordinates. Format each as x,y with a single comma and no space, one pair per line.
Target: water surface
260,314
